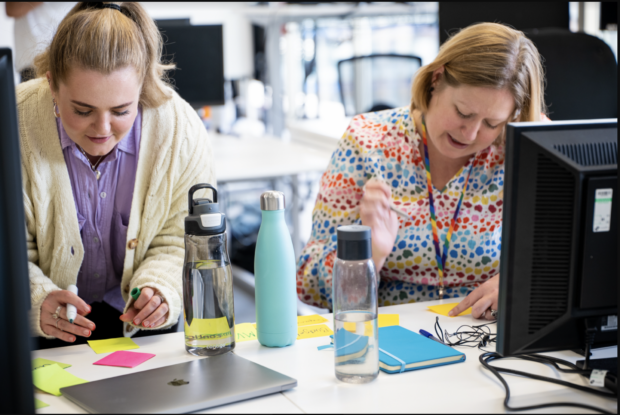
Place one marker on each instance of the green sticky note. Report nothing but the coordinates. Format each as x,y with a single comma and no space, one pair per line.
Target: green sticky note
51,378
39,404
38,362
112,345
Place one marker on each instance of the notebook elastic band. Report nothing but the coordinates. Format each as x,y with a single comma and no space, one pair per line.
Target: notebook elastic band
402,362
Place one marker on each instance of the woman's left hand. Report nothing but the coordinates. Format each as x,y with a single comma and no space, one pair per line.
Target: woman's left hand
481,300
149,310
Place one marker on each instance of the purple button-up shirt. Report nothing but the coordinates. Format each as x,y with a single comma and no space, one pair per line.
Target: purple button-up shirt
103,208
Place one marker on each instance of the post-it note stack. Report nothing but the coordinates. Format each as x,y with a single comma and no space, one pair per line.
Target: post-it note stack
52,378
112,345
124,358
245,332
39,362
39,404
310,320
444,309
317,330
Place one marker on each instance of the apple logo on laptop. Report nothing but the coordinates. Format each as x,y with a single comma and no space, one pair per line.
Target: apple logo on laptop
178,382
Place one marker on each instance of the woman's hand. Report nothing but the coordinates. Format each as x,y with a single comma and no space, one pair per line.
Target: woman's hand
375,212
481,300
150,309
61,328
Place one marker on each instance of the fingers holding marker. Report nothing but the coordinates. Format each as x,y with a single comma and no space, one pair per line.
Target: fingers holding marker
157,317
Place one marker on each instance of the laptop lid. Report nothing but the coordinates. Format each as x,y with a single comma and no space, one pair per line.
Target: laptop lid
185,387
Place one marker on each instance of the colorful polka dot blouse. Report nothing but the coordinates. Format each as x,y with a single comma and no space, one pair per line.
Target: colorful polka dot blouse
385,145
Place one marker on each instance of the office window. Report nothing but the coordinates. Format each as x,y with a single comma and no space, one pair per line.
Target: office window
312,48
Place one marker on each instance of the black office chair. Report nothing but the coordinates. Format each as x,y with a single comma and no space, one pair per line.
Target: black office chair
581,72
384,82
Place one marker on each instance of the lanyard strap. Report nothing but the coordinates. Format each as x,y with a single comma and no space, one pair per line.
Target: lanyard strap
441,259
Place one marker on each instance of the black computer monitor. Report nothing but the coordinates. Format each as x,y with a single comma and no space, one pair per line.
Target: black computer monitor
15,347
520,15
559,256
198,53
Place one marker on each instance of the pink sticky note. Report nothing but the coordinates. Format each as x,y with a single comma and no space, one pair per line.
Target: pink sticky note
124,359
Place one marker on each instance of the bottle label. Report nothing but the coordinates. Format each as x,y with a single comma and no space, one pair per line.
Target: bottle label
212,333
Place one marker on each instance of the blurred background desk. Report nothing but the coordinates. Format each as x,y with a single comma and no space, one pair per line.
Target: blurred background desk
459,388
259,159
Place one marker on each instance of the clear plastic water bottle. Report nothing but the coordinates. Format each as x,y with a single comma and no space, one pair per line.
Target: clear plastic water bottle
207,279
354,282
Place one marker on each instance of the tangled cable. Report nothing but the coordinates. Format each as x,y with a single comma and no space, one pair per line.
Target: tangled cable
479,336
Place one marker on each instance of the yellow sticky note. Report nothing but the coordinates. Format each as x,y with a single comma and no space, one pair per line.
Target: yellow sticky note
444,309
310,320
112,345
39,404
52,378
245,332
318,330
39,362
360,327
386,320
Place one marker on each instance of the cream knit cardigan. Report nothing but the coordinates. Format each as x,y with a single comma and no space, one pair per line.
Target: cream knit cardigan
175,154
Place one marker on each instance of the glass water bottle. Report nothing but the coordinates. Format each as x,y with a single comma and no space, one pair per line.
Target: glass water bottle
207,279
354,282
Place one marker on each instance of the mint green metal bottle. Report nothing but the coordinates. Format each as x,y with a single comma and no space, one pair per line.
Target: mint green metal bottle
274,270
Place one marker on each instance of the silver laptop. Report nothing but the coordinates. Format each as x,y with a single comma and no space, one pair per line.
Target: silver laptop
185,387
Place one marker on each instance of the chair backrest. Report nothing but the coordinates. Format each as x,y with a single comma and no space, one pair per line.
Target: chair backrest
376,82
581,73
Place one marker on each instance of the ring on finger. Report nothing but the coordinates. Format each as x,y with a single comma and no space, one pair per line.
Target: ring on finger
56,315
58,321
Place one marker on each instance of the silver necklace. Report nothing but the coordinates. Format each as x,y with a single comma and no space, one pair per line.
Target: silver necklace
92,166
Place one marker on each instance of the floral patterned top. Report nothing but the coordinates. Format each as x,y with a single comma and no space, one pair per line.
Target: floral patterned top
385,145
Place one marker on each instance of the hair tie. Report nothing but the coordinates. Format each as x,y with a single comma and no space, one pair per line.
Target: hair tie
107,6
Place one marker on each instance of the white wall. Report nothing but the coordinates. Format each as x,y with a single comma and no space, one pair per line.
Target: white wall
6,29
238,55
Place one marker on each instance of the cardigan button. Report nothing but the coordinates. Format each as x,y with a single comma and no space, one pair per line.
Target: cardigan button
132,244
127,289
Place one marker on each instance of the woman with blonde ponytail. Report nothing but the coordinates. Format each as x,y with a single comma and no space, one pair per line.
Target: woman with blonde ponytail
441,162
109,152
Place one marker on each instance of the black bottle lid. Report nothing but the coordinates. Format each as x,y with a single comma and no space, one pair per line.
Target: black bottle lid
354,242
204,217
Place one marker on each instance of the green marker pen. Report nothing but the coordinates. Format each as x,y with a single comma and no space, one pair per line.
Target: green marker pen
135,293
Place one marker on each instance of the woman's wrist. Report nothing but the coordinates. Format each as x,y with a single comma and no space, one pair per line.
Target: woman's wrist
379,262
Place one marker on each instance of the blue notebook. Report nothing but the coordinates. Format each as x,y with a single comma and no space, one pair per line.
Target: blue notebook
349,346
401,350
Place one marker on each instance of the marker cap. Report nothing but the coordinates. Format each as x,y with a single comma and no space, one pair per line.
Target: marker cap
135,293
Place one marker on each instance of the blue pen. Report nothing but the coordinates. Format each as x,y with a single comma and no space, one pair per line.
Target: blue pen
430,336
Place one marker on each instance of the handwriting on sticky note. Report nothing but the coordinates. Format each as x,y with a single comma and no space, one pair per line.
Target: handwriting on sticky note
444,309
310,320
123,358
112,345
39,362
308,332
39,404
386,320
52,378
208,330
245,332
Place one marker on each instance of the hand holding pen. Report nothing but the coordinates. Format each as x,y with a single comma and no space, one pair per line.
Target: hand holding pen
54,320
376,212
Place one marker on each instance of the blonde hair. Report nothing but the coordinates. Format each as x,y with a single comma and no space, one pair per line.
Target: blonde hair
488,55
104,40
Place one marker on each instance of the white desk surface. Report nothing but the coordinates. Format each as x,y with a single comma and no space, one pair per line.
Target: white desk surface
461,387
257,158
319,133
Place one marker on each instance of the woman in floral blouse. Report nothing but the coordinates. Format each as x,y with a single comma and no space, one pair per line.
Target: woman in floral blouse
441,161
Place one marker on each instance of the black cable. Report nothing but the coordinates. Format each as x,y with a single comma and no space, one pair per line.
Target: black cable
486,358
